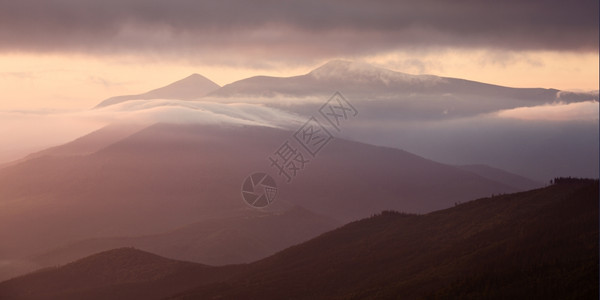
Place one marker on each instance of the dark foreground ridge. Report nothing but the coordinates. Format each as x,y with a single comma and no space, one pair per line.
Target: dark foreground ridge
540,244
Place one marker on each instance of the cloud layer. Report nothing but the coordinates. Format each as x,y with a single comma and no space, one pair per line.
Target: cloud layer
202,112
24,132
294,29
581,111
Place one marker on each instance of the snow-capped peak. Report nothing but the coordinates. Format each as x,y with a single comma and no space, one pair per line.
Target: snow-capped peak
364,72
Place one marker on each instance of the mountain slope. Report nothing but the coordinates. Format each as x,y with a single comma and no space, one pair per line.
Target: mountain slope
540,244
91,142
191,87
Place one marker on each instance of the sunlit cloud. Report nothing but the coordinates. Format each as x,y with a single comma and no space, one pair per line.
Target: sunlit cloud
581,111
24,132
201,112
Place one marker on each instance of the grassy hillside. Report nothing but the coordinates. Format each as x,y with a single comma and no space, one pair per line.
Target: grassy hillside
539,244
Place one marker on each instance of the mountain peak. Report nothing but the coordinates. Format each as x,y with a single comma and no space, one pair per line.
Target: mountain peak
195,77
191,87
362,72
338,65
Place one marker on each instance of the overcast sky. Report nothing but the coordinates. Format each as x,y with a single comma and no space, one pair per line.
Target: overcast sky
73,53
299,30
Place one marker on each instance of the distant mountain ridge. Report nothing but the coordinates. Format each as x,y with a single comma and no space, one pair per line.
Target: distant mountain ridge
353,78
357,78
192,87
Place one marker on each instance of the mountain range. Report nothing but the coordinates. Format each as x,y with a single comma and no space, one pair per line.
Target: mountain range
450,120
388,93
362,81
536,244
167,176
167,180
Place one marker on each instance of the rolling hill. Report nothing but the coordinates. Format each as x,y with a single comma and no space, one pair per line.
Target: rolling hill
530,245
124,273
